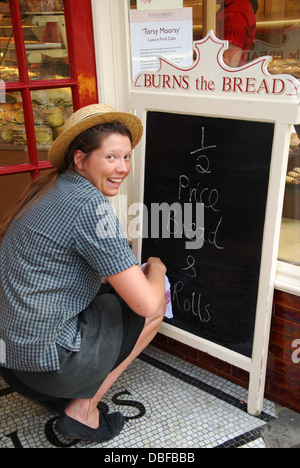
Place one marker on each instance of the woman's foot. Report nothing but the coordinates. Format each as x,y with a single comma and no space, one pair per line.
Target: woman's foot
109,426
84,411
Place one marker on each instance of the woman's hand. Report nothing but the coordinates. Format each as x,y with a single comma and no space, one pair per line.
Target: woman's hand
144,292
154,262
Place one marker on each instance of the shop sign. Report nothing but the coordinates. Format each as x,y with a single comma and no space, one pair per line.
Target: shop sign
167,33
296,353
211,76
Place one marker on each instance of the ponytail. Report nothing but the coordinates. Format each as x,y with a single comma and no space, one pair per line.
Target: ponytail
31,195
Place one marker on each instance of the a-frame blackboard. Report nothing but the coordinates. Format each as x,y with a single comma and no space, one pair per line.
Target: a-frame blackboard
217,136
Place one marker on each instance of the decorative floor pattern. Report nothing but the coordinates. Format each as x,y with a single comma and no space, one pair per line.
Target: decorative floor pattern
167,403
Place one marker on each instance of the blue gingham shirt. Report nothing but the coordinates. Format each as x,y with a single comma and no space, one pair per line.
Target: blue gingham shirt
52,261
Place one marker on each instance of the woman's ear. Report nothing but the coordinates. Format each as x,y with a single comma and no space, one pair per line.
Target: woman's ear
79,157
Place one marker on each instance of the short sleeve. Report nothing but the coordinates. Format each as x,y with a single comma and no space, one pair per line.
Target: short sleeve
100,239
236,27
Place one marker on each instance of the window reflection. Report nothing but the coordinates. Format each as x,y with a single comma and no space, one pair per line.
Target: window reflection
261,28
236,23
257,28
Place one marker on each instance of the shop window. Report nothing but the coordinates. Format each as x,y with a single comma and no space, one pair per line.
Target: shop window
289,249
276,34
47,70
51,108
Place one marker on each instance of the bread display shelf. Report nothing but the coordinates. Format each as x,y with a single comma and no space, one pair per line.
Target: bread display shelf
51,108
285,66
12,147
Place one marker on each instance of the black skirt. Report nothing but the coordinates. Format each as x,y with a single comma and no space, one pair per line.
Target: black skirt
109,331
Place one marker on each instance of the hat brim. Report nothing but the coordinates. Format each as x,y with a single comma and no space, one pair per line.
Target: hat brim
59,147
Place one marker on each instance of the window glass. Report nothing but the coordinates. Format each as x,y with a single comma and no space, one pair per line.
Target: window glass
8,58
236,22
33,45
278,35
257,28
289,249
198,31
51,108
44,32
12,131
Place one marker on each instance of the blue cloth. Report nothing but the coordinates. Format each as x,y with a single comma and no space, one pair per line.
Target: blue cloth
52,261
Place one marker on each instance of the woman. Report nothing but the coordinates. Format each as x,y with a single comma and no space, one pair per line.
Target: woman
236,23
68,336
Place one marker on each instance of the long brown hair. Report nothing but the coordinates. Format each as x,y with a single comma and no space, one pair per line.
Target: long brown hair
87,142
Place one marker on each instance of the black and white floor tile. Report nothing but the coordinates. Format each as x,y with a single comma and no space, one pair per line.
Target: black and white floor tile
167,403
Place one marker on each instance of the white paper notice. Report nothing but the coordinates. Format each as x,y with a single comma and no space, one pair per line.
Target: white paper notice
164,33
159,4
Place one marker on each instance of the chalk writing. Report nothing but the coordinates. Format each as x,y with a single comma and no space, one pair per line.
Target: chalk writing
194,159
191,263
193,303
198,194
209,198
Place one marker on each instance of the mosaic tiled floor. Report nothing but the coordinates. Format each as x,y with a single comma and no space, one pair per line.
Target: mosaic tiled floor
167,403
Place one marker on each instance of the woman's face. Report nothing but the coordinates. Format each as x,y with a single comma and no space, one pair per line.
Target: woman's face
107,167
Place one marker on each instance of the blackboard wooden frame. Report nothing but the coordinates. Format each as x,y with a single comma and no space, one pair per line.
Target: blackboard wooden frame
283,113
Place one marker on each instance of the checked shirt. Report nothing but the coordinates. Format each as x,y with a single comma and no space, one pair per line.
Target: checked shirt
52,261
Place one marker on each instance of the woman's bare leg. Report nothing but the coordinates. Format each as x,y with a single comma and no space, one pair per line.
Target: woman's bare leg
86,411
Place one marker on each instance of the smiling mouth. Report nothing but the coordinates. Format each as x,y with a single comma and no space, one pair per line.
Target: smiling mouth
115,181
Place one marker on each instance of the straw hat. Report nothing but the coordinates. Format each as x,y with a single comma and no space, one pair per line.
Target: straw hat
88,117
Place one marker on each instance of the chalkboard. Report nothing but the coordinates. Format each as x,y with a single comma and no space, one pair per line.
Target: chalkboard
223,164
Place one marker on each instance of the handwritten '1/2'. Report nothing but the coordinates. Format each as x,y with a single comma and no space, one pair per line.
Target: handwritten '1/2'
200,167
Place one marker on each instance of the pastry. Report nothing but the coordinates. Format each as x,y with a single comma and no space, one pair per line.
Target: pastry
6,133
